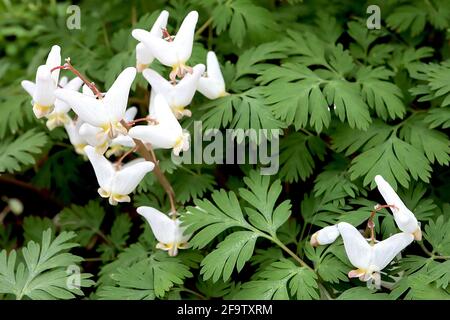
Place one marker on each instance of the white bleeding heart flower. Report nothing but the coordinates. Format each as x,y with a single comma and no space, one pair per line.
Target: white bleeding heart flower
370,259
179,95
212,85
59,116
144,56
116,183
325,235
122,142
167,133
43,90
166,230
172,52
72,129
105,113
404,218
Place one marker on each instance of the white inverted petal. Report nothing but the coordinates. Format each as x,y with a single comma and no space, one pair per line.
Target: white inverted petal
54,60
94,136
74,84
157,136
104,170
185,89
72,129
327,235
180,236
213,67
161,49
116,98
163,227
160,23
88,108
63,81
127,179
29,86
130,114
87,91
387,249
158,83
144,55
185,36
357,249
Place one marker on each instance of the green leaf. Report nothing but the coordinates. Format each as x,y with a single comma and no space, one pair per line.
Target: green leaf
233,252
438,235
395,160
34,226
17,153
296,156
263,196
362,293
44,274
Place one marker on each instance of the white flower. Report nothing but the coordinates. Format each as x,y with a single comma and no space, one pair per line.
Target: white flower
72,129
166,230
117,183
325,235
370,259
178,96
59,116
105,114
212,85
144,54
167,134
170,53
404,218
43,90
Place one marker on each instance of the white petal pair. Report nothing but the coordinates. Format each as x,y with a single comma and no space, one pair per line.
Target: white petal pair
174,53
105,114
368,259
117,183
180,95
43,90
167,134
212,85
404,218
166,230
144,54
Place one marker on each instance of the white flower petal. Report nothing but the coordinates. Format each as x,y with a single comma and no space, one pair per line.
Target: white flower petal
161,49
127,179
72,129
158,137
88,108
95,136
180,236
185,36
163,227
104,170
54,60
63,81
405,219
386,250
160,23
158,83
357,249
116,98
74,84
327,235
212,86
144,56
87,91
29,86
130,114
185,89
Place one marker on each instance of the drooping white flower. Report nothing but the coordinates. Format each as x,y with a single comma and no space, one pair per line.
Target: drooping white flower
370,259
404,218
117,183
180,95
106,113
144,54
43,90
166,230
72,129
212,85
59,116
325,235
167,134
173,53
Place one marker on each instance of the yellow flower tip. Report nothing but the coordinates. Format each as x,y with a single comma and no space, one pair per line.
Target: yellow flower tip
224,94
141,67
103,193
417,234
41,111
79,148
314,242
120,198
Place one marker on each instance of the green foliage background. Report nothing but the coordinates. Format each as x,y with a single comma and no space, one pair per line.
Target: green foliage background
351,103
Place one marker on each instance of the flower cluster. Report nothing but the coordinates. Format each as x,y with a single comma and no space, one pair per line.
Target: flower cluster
371,258
101,125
